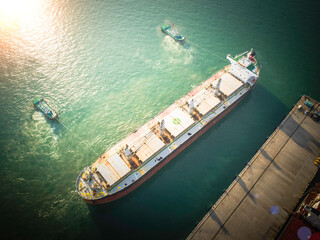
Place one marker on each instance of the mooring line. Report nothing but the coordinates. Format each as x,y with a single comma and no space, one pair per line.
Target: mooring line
88,146
209,51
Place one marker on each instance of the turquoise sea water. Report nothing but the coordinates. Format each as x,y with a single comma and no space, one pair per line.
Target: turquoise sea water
107,68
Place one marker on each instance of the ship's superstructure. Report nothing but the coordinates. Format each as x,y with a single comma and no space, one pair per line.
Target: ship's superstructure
133,160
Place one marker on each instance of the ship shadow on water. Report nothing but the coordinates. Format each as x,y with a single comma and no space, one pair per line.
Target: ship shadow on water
185,45
109,220
171,202
56,126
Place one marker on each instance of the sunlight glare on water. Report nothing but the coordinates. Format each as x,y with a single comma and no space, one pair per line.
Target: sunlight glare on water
20,12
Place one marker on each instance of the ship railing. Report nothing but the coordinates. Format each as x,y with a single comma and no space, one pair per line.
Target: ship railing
240,55
177,138
182,133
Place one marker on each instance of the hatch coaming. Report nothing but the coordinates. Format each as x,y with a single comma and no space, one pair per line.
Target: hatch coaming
113,169
134,156
184,137
135,175
177,121
188,133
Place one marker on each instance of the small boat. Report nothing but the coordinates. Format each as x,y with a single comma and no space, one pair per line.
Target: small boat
43,107
172,32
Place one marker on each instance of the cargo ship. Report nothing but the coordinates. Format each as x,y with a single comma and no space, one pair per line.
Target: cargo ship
172,32
133,160
44,107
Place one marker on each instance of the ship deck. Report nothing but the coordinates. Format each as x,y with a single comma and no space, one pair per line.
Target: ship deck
260,199
129,160
147,139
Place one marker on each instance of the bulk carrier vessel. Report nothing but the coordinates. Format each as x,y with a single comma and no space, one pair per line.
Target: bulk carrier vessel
133,160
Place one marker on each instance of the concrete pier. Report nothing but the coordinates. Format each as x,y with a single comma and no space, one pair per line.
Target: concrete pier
260,199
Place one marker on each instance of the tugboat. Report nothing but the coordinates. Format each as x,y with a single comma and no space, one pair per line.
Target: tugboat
43,107
172,32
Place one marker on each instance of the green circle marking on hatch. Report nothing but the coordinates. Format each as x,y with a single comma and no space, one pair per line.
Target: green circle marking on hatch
176,121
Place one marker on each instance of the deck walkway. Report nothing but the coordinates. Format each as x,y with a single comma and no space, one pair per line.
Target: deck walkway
258,202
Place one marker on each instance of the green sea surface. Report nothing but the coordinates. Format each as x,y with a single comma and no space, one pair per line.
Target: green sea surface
107,68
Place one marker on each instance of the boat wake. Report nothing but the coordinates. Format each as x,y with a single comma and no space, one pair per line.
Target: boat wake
178,53
37,116
41,120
